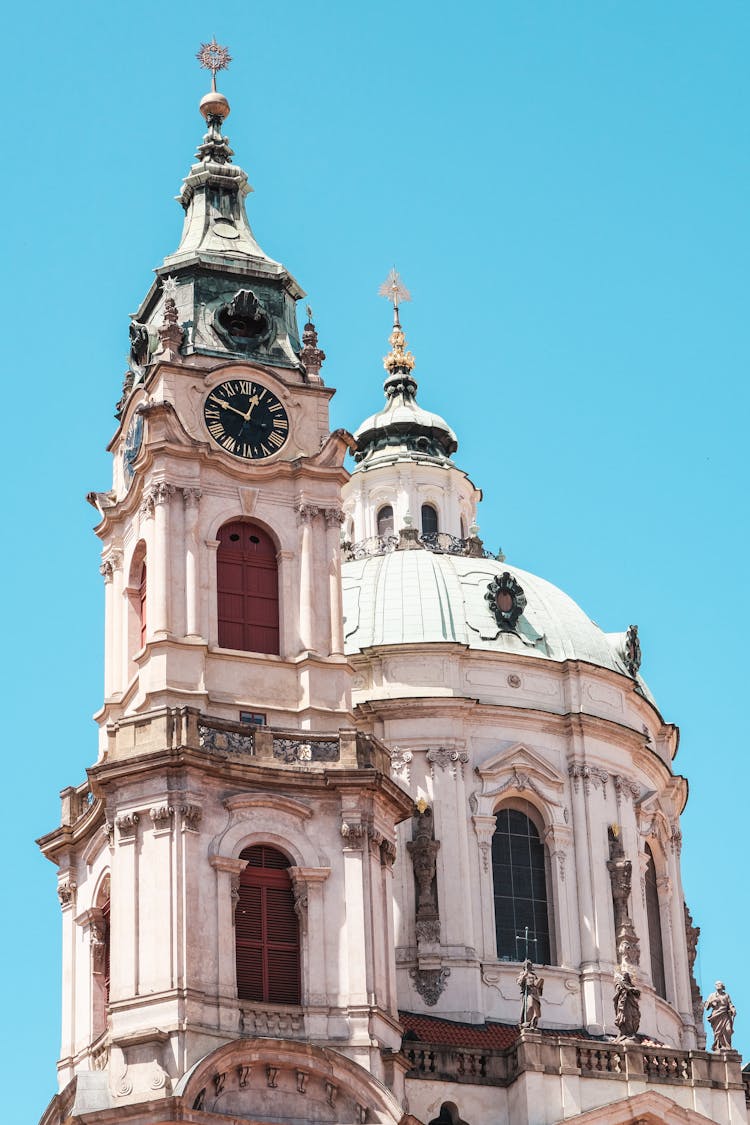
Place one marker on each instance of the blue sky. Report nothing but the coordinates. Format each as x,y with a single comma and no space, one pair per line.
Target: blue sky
563,187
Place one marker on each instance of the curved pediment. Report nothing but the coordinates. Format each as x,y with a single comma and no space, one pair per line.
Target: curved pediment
285,1082
649,1108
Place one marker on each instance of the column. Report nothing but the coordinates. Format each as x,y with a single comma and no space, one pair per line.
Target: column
107,570
334,518
212,626
306,514
191,500
158,590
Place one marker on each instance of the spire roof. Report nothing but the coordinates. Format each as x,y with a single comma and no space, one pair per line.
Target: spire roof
402,428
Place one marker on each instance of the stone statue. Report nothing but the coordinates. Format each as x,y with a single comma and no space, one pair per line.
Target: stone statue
721,1014
627,1008
531,987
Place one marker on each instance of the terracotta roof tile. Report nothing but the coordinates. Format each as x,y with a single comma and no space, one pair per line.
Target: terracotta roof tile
490,1035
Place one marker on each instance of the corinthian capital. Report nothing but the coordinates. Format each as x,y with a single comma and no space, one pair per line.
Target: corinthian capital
333,516
307,512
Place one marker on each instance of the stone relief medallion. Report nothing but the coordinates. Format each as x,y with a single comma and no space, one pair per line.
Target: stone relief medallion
506,600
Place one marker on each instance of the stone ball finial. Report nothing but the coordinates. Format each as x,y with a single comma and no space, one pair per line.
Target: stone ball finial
214,104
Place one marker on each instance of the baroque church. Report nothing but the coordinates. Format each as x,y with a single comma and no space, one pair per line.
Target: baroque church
381,828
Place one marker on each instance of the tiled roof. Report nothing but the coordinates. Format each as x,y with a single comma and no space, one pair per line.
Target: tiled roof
490,1035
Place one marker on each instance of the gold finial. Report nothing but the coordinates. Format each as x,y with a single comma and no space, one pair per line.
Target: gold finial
421,805
214,58
399,358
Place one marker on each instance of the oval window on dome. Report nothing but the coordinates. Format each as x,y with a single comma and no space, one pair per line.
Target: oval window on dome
385,520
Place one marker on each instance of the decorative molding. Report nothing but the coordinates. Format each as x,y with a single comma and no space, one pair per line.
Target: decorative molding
447,759
162,817
307,512
127,826
519,782
484,827
191,816
334,517
401,762
292,750
625,788
506,600
191,497
589,775
430,983
255,1020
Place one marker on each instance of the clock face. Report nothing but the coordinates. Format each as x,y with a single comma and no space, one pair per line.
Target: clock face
246,419
133,441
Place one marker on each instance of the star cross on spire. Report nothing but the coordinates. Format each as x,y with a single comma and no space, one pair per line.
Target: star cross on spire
394,290
214,58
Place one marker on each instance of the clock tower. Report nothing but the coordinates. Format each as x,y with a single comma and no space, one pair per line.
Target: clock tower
225,869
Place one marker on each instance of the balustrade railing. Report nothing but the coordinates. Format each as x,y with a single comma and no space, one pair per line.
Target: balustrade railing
439,542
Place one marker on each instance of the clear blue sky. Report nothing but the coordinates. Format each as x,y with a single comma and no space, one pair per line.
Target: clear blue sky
564,189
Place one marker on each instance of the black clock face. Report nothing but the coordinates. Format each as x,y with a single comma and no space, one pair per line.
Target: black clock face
133,441
246,419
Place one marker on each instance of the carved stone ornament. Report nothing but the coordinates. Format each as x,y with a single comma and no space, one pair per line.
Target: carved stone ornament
621,874
506,600
98,948
430,983
423,850
632,651
66,892
447,759
170,332
244,318
162,816
191,817
225,741
692,933
292,750
127,825
400,762
311,355
589,775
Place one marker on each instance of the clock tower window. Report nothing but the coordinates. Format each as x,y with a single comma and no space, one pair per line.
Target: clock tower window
267,929
247,584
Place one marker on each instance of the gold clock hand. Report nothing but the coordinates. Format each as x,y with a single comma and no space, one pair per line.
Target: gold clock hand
234,409
253,403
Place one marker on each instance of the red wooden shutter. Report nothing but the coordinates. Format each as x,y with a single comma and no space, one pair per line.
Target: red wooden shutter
247,584
267,930
142,603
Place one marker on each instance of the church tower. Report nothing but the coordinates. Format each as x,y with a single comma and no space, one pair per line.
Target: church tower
225,870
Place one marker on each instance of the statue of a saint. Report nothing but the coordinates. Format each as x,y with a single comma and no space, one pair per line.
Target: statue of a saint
531,987
721,1013
627,1008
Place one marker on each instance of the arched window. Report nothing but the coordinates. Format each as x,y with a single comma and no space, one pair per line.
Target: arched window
385,520
520,887
653,914
142,602
247,584
448,1115
267,930
100,945
429,519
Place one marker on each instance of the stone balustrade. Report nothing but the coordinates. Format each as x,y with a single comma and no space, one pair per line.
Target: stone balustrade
187,728
560,1054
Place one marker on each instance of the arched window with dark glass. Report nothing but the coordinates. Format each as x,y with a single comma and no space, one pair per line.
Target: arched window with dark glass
142,602
267,929
385,520
653,914
520,888
247,587
429,519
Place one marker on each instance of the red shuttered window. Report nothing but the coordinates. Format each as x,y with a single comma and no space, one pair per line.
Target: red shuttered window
267,930
142,603
105,936
247,584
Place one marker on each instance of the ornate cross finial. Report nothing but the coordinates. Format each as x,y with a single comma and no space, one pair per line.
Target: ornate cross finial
308,310
395,291
213,57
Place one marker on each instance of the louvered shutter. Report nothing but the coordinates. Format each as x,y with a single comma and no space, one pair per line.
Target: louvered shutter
247,584
267,930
